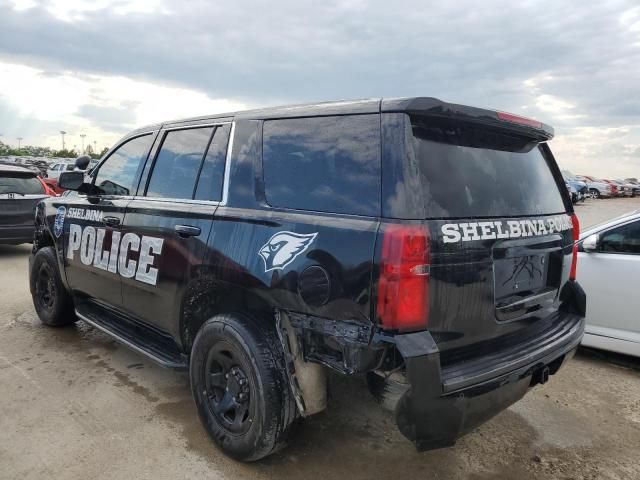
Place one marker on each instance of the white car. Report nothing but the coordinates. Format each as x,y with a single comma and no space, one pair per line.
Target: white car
609,272
57,168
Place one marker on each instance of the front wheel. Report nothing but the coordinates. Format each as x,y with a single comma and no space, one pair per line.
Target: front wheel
51,300
594,193
238,380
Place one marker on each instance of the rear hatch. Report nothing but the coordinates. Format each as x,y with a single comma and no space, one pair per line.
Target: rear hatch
20,192
499,220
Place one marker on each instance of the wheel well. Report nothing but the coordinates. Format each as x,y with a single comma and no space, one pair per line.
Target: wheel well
207,298
42,238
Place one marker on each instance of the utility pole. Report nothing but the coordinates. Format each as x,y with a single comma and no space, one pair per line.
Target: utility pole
95,147
82,135
63,133
19,140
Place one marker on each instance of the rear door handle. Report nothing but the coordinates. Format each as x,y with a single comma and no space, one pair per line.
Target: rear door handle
187,231
111,221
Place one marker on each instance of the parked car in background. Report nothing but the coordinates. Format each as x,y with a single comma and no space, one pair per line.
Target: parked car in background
20,191
609,270
635,184
579,189
631,189
57,168
597,188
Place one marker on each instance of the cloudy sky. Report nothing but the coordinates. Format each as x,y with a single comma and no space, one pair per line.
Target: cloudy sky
103,67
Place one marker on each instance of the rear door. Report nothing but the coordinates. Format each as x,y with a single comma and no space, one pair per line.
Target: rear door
498,214
20,192
167,225
95,253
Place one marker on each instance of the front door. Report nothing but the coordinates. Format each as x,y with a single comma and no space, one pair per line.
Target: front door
610,279
169,223
93,242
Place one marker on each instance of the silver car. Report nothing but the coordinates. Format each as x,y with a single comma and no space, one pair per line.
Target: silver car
609,271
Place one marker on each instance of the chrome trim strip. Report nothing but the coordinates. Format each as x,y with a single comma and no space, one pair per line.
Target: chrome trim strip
175,200
198,125
227,166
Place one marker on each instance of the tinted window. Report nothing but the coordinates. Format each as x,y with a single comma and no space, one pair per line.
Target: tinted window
329,164
176,167
624,239
212,173
21,184
468,172
117,175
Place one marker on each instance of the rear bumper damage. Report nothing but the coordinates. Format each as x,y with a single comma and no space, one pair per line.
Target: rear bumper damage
442,403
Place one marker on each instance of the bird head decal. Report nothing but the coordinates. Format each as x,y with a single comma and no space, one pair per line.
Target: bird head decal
283,247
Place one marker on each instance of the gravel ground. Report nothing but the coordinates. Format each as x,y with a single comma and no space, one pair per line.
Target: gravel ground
76,405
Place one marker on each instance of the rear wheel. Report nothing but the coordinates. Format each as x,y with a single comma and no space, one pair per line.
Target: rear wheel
239,384
50,299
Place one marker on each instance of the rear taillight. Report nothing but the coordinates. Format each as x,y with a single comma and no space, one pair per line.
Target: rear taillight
576,236
403,287
47,189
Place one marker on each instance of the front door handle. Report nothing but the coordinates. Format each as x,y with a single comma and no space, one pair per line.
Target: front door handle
111,221
187,231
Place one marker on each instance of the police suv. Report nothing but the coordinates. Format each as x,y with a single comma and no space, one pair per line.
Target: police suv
427,245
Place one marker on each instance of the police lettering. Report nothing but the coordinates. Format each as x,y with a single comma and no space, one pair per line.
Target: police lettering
90,244
465,232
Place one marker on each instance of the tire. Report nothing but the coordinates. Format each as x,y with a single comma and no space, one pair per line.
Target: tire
594,193
51,300
239,383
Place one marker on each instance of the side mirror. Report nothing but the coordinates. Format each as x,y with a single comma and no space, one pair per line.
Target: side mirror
590,244
71,180
82,162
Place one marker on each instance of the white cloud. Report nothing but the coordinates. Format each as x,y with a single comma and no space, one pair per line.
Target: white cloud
59,99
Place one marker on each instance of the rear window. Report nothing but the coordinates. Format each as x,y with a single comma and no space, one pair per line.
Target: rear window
176,169
21,184
468,172
326,164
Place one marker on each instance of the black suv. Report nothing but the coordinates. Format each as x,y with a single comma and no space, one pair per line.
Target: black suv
426,245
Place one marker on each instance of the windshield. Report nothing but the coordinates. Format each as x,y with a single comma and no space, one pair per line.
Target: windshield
467,172
21,184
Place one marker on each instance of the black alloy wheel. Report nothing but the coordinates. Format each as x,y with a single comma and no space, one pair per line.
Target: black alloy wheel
229,388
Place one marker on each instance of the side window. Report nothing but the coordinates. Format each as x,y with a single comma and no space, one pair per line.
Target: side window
212,173
177,165
118,173
328,164
624,239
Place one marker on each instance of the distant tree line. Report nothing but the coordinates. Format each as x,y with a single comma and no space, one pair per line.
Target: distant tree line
31,151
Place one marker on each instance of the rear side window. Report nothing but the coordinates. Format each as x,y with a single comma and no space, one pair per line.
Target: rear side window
20,184
468,172
177,165
327,164
212,173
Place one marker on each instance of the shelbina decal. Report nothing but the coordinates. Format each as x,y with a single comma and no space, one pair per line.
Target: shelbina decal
58,223
283,248
469,231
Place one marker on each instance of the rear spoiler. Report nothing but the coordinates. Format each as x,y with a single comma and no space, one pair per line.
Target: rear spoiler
434,108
